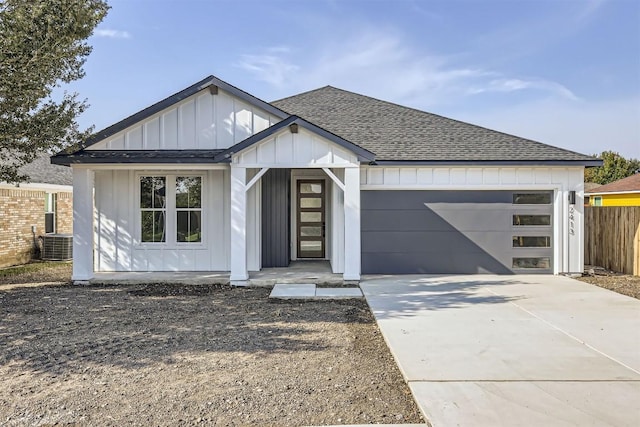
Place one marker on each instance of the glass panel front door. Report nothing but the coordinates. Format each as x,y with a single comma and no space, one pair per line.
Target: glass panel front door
310,219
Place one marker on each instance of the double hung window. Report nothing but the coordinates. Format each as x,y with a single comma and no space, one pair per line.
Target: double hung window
170,209
50,213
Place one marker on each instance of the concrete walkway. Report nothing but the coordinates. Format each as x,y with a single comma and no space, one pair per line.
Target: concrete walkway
512,350
311,291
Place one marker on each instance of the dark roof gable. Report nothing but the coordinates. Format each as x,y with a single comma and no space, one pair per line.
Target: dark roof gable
396,133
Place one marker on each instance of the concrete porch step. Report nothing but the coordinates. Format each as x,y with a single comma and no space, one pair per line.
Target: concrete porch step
311,291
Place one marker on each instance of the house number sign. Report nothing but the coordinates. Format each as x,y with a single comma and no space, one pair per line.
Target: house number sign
572,212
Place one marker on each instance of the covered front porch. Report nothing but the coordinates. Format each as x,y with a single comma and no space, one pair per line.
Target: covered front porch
233,218
308,208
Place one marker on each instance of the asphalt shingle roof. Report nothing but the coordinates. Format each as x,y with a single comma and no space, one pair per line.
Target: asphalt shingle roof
630,183
397,133
41,171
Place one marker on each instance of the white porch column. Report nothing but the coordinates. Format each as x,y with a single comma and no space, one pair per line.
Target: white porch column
238,224
351,224
82,225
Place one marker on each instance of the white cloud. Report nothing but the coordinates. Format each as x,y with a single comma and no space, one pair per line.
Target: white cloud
384,65
590,9
269,67
515,84
112,34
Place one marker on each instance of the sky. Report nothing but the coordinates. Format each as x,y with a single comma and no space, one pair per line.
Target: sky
562,72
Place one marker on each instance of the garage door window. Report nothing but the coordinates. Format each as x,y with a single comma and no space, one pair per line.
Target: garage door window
531,220
532,198
540,263
531,241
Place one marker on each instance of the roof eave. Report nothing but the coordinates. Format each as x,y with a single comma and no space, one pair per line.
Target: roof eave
83,157
585,163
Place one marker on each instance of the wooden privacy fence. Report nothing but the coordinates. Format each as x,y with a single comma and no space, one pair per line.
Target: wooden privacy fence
612,238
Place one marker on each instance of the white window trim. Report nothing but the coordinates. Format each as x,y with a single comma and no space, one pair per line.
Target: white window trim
52,201
171,212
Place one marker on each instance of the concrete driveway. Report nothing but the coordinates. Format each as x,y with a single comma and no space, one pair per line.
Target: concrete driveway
512,350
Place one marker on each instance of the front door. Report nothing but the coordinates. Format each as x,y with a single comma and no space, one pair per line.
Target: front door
310,227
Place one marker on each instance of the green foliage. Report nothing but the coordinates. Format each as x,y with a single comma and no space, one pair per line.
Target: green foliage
42,46
614,167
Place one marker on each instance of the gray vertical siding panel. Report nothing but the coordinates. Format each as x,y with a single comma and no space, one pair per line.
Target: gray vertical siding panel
275,218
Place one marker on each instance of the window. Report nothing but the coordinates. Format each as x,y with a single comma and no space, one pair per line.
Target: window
532,198
153,208
171,209
531,263
50,213
530,220
531,241
597,200
188,209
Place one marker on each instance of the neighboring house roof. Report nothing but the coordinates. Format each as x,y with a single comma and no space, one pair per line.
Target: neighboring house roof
41,171
588,186
630,184
363,154
397,133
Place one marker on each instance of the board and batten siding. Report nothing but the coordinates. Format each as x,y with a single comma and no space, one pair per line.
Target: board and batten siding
116,230
295,150
568,219
202,121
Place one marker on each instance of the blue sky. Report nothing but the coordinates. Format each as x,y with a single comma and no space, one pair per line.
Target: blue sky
565,73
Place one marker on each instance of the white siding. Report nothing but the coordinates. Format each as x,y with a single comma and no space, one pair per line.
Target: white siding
302,149
568,220
201,121
117,246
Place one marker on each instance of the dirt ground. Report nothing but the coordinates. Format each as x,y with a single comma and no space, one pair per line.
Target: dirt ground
37,272
621,283
183,355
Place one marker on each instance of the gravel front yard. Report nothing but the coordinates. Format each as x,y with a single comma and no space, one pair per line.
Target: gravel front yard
624,284
182,355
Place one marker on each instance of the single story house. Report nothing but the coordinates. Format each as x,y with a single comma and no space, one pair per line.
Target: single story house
623,192
43,205
588,186
214,179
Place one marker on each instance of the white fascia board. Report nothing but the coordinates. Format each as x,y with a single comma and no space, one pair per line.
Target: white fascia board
612,192
53,188
152,166
297,165
504,187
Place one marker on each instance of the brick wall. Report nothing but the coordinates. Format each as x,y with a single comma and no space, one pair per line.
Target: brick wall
20,209
64,213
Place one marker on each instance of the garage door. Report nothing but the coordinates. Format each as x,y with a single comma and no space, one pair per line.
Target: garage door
449,232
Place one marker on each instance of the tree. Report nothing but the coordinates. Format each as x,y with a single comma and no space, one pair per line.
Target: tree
42,47
614,167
